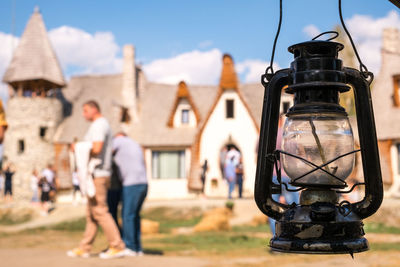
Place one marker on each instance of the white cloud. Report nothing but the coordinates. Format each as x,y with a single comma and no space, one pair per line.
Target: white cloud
367,35
252,69
311,30
85,52
201,67
7,43
195,67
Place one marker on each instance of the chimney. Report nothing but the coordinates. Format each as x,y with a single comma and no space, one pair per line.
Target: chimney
229,79
129,81
391,41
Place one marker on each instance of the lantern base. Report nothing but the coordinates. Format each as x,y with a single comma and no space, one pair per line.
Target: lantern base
319,229
319,247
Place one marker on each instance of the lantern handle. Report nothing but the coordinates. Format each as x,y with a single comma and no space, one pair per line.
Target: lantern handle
368,145
269,72
369,76
263,188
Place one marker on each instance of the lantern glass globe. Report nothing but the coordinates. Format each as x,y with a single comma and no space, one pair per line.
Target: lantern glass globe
318,138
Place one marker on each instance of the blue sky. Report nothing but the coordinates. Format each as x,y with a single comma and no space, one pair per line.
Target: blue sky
170,33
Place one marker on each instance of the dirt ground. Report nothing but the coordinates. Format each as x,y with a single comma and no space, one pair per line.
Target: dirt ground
35,248
23,257
42,249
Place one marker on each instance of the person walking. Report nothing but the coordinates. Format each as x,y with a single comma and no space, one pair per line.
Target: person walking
45,188
99,134
50,175
114,193
9,172
128,156
77,189
230,175
239,176
204,169
34,186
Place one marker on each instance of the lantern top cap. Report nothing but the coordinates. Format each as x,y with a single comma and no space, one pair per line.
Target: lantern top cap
316,48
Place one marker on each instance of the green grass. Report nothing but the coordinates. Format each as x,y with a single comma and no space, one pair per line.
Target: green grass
216,243
77,225
8,218
263,228
380,228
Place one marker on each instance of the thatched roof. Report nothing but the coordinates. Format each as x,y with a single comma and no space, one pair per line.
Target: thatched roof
34,58
105,89
156,103
183,93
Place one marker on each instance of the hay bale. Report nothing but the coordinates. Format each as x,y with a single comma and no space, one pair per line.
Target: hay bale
259,219
214,220
219,211
149,227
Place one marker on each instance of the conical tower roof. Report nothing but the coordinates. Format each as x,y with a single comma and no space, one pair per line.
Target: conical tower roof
34,58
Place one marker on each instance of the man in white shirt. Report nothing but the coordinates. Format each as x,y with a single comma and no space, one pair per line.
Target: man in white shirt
99,134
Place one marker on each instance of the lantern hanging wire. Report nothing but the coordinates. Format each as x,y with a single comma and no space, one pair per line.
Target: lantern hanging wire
269,72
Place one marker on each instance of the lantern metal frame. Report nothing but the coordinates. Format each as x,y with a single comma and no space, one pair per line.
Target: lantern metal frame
327,228
320,224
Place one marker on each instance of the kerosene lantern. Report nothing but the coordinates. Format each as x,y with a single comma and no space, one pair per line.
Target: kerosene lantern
317,153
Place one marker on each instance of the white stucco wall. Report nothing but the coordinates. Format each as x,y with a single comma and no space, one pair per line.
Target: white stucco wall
184,104
218,132
167,188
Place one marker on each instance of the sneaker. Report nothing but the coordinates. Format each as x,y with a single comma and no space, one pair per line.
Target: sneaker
139,253
112,253
130,253
77,253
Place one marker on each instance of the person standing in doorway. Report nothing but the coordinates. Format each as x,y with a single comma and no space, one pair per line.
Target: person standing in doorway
222,160
230,175
128,156
235,154
239,176
99,134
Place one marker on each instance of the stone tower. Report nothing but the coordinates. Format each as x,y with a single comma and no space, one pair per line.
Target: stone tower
33,112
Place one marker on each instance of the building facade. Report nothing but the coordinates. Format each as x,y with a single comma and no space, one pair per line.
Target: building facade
33,110
386,100
179,126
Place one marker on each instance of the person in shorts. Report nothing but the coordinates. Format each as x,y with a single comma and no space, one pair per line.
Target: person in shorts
45,188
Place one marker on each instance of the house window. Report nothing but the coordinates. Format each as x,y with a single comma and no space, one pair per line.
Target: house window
396,92
42,132
185,116
285,107
230,109
168,164
125,117
21,146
